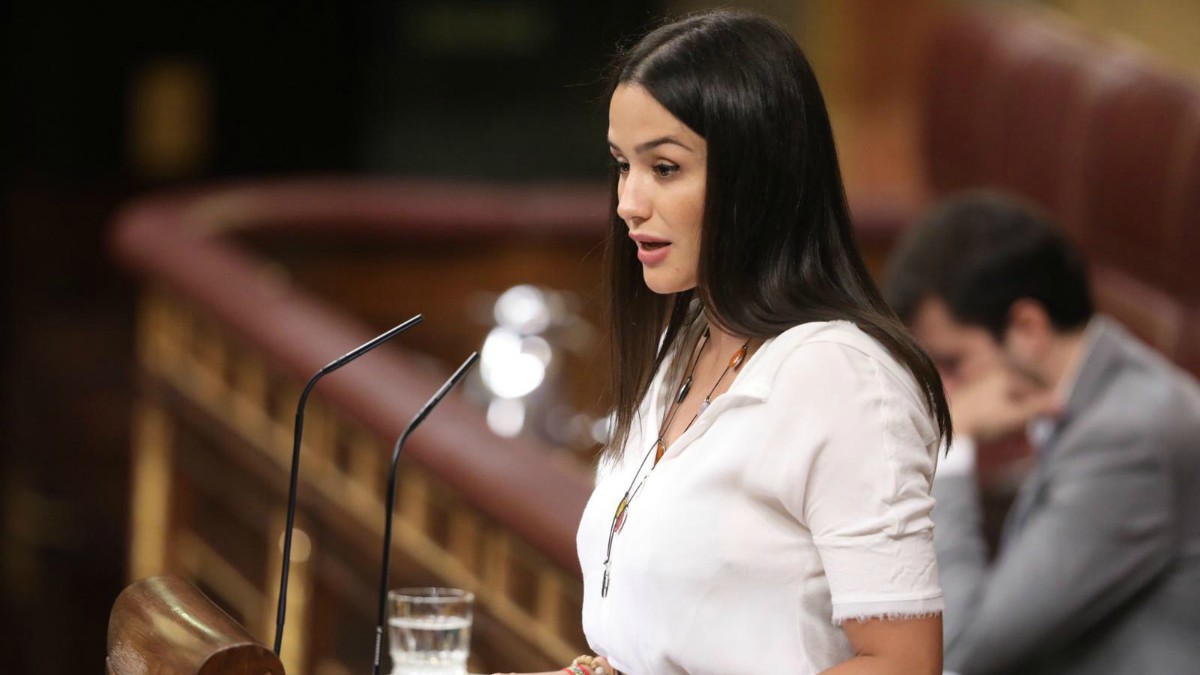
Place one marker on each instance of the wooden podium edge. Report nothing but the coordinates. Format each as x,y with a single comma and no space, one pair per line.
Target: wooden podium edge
165,625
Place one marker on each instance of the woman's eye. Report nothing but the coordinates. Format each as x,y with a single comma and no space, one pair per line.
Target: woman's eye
623,167
665,170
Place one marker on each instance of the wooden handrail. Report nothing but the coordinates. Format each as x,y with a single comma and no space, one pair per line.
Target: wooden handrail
182,242
166,626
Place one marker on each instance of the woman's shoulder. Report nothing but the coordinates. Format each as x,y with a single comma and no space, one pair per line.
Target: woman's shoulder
830,365
823,349
802,340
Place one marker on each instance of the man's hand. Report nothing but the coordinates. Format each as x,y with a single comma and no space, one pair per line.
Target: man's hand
998,402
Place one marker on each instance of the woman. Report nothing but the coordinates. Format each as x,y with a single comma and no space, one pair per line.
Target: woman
764,504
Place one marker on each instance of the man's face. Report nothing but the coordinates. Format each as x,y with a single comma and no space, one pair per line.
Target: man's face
962,353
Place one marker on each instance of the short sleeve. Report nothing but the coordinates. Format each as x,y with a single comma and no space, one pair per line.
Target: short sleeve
861,453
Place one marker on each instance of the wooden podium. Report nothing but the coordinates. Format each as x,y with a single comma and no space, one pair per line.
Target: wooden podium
166,626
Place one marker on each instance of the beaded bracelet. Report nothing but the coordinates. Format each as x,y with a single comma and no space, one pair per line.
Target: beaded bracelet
585,665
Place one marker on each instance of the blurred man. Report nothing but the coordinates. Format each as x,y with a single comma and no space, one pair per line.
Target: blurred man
1098,568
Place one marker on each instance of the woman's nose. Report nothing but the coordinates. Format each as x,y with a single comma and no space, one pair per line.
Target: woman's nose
632,205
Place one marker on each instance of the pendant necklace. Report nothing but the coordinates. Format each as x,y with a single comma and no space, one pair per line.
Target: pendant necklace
659,448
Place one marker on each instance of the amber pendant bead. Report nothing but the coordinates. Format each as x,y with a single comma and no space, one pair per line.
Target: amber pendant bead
620,518
736,360
660,448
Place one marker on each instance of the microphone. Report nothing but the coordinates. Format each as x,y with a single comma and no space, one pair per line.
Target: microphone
299,433
391,492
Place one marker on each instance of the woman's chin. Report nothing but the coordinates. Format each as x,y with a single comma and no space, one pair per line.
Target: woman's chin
664,284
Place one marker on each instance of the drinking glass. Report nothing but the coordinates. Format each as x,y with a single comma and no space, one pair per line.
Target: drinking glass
429,630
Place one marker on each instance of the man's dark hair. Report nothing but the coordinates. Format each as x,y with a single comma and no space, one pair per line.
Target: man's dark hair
980,252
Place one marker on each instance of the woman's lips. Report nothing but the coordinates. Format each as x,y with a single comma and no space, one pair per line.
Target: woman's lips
653,253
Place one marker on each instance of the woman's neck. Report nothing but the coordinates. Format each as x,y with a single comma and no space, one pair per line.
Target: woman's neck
723,342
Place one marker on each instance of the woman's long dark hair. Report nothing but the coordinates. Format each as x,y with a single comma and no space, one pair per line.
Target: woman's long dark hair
777,248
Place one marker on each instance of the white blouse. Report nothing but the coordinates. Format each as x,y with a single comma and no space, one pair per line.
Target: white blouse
797,500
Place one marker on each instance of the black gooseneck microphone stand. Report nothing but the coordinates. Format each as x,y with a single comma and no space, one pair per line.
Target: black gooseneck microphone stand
299,433
391,493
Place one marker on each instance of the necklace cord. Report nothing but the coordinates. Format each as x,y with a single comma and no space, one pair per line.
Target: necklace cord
658,447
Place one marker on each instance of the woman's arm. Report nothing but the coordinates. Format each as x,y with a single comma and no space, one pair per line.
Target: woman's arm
900,646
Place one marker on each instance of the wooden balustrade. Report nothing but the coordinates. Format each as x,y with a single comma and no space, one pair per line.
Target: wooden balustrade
224,340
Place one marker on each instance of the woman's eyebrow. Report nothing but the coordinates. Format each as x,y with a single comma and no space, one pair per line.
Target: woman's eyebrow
650,145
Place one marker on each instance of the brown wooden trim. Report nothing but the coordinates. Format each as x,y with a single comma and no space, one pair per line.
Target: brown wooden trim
180,242
165,625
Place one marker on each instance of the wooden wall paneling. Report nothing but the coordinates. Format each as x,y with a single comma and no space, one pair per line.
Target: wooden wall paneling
297,637
153,435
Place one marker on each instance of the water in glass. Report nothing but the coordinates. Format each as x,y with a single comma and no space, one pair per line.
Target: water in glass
429,630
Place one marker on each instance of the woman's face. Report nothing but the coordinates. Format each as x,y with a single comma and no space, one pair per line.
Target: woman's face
660,188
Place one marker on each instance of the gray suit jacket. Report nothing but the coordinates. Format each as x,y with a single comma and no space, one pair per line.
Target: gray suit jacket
1099,568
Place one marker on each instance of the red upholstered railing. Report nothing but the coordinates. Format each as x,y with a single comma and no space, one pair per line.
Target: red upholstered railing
188,243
